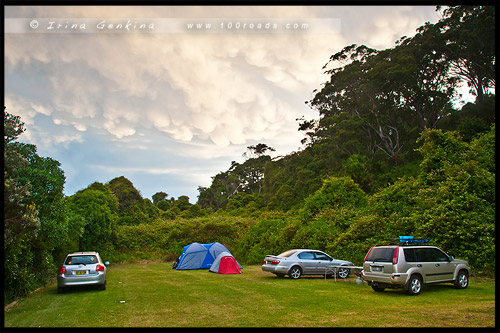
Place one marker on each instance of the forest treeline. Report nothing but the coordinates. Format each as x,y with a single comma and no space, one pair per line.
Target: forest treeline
391,153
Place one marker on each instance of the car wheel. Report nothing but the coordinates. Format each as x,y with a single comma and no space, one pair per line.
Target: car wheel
343,272
462,280
414,285
60,290
295,272
377,288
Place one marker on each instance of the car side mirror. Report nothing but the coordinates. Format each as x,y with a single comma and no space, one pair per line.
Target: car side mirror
451,258
106,263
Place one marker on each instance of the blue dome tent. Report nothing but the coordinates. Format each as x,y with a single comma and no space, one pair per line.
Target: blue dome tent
200,256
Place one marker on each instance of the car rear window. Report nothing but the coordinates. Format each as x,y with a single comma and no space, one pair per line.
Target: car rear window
381,254
81,259
287,253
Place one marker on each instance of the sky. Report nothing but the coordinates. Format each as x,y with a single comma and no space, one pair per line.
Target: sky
169,96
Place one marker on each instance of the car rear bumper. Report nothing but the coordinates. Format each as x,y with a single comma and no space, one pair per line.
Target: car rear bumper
395,280
90,279
276,269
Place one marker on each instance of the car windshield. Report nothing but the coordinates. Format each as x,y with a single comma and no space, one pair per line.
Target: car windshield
81,259
286,254
381,254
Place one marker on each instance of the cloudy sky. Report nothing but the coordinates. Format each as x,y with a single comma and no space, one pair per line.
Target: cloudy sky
169,96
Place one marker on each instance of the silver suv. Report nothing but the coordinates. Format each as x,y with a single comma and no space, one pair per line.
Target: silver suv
411,266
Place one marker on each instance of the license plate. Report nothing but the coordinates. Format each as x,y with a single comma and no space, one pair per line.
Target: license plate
376,268
81,272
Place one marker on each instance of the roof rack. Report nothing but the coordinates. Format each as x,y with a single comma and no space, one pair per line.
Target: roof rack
407,240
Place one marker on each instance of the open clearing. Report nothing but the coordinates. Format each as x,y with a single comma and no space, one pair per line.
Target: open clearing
152,294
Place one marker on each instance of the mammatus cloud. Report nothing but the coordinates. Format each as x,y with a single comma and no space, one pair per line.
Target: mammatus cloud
193,87
215,87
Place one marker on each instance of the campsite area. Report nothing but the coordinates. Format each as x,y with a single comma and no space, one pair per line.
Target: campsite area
152,294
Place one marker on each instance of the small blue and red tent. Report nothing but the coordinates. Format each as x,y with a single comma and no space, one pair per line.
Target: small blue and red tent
200,256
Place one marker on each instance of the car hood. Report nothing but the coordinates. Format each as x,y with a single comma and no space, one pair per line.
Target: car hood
460,261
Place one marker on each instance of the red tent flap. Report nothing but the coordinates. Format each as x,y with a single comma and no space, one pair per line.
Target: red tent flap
228,265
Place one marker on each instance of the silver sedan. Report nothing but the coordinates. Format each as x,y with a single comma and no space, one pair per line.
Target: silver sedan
298,262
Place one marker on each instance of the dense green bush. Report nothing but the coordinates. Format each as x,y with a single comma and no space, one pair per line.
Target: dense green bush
334,193
456,200
166,238
271,234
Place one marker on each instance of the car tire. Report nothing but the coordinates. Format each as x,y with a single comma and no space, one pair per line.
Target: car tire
414,285
462,280
103,286
60,290
343,272
295,272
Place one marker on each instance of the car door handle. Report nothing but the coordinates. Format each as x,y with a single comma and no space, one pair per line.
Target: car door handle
419,265
437,265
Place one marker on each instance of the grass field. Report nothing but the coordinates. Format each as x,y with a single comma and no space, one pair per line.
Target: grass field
152,294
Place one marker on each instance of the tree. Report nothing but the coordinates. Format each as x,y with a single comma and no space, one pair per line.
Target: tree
246,177
133,208
46,180
126,194
21,220
257,150
467,35
380,94
98,207
20,215
159,196
35,220
182,202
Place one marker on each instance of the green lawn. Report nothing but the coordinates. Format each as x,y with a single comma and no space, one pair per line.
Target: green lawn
154,295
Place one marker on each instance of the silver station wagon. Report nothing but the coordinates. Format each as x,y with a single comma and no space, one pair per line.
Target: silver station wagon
82,268
298,262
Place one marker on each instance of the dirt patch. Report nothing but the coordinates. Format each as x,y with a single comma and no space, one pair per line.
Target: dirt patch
8,306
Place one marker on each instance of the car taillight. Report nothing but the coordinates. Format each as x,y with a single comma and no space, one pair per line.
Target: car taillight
275,262
62,270
395,257
368,253
99,268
